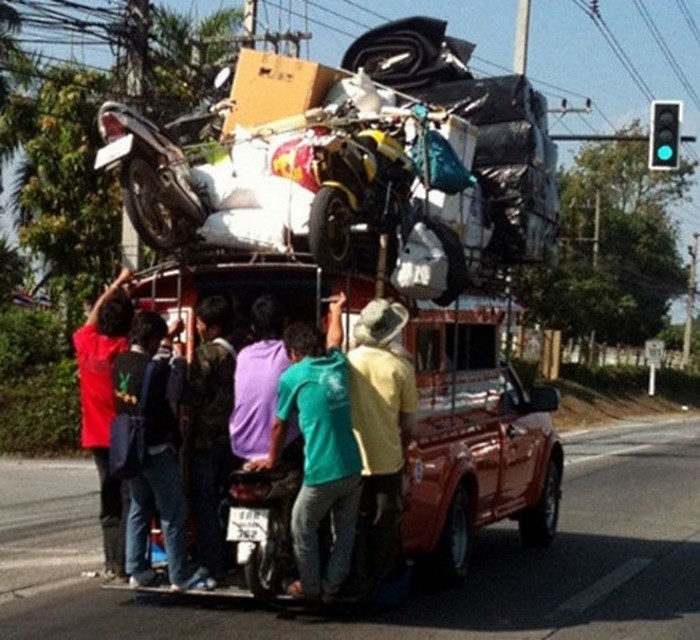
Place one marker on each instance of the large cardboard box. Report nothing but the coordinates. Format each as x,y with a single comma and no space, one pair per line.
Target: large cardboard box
270,87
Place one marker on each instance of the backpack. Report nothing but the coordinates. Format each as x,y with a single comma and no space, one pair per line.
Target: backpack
127,437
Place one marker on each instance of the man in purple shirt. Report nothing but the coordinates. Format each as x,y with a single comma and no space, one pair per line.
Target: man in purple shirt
258,369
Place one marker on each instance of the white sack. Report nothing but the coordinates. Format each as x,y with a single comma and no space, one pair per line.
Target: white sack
421,268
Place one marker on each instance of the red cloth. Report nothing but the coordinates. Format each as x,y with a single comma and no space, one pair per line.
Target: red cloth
96,355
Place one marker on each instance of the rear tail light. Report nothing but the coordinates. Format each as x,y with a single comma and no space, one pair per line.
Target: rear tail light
111,127
249,492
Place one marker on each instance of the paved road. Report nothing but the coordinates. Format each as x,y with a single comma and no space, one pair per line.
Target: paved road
624,566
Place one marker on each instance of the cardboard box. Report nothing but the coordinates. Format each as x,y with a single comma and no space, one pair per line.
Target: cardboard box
269,87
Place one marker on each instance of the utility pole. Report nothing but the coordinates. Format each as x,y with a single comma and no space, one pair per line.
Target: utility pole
136,53
687,336
250,18
522,29
596,250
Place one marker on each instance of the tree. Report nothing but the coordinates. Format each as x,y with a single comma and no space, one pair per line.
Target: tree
12,268
68,213
626,297
184,57
15,65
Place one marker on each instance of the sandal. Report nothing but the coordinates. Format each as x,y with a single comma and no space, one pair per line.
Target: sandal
296,591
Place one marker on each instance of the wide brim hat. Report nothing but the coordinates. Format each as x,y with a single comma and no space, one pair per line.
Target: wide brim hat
380,322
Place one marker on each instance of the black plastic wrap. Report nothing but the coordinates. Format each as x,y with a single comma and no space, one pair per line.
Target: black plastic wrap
517,142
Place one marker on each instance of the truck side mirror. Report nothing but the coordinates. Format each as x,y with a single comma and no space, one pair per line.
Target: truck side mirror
544,399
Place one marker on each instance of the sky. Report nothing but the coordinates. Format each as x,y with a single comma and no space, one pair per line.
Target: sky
569,55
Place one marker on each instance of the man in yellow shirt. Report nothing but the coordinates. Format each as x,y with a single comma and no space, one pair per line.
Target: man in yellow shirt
383,400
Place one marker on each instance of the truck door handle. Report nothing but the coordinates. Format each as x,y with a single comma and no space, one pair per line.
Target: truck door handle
511,431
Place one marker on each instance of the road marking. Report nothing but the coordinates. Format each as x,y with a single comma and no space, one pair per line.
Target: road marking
607,454
600,589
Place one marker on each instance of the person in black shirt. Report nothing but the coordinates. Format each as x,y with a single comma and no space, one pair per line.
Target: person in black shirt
158,486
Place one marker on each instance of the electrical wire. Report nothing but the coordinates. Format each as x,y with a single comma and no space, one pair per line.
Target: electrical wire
666,51
690,21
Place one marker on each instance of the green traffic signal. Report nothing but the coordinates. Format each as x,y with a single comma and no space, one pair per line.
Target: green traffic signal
665,134
664,153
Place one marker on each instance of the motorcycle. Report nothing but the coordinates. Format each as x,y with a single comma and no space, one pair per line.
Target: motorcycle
259,524
158,195
365,178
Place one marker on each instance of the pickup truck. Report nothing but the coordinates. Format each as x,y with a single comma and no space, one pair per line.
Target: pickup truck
484,449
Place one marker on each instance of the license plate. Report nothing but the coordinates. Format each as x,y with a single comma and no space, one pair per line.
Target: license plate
248,525
114,150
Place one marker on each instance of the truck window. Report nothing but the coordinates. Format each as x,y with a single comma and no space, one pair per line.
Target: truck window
475,347
427,349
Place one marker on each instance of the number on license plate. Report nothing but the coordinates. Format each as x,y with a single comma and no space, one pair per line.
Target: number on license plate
249,525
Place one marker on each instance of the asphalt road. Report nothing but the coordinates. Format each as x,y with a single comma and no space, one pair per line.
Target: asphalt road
625,565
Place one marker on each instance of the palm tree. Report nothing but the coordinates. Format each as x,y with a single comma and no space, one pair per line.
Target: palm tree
184,57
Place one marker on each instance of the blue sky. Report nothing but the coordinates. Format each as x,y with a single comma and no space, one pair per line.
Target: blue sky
568,56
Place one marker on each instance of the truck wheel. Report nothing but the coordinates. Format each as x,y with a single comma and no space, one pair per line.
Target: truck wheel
329,229
454,549
538,525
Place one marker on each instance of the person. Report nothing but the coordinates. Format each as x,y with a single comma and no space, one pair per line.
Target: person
97,343
383,398
210,401
316,388
158,485
258,370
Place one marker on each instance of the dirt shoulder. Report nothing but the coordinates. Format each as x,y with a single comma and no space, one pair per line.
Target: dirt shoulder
595,409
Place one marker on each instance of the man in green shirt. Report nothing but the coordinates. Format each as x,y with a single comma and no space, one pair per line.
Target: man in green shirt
316,388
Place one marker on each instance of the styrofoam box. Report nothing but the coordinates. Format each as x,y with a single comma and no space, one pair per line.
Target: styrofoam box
462,136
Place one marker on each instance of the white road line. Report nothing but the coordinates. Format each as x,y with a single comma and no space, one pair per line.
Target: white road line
607,454
601,588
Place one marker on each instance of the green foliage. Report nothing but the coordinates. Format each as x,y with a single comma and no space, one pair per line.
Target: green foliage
624,293
12,267
29,340
41,413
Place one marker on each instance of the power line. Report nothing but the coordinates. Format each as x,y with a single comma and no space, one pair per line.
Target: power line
690,21
665,50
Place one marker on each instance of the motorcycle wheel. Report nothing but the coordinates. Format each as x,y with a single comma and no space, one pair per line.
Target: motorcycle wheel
158,224
262,573
329,230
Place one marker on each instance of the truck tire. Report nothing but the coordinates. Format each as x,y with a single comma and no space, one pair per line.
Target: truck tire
450,563
538,525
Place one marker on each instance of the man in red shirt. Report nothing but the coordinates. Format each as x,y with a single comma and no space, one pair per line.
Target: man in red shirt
103,336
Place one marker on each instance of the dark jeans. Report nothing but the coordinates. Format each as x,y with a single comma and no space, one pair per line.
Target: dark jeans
378,544
209,472
115,498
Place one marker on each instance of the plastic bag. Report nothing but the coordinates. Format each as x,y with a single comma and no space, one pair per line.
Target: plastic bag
445,172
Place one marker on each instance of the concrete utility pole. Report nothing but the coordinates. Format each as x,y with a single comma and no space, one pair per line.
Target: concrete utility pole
688,334
522,29
136,53
250,17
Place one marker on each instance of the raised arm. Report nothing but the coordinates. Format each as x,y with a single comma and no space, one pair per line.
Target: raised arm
124,276
334,335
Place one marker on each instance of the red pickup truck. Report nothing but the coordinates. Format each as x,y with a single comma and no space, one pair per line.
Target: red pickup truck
484,449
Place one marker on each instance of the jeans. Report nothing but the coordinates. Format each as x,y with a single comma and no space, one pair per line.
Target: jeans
209,472
340,498
115,496
158,487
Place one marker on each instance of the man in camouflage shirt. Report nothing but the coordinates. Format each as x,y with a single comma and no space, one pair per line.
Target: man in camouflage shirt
210,399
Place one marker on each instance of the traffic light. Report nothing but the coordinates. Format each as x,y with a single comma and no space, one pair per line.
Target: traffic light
665,134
